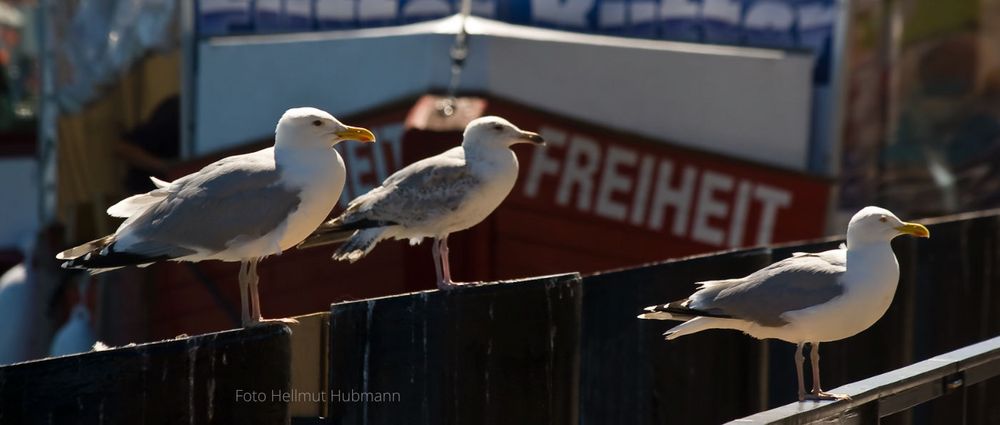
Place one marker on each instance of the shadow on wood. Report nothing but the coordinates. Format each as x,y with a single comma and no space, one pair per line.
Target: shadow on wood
630,375
504,353
233,377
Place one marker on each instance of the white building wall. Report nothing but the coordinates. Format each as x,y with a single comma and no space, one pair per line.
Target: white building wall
752,104
244,86
754,108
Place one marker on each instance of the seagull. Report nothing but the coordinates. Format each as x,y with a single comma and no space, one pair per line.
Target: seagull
239,208
807,298
433,197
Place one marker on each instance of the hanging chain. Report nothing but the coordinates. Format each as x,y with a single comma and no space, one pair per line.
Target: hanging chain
459,52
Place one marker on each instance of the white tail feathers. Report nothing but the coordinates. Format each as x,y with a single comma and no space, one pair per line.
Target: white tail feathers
138,203
711,283
134,204
160,184
699,324
359,245
659,315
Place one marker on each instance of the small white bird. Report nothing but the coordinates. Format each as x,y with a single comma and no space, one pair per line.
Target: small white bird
240,208
808,298
433,197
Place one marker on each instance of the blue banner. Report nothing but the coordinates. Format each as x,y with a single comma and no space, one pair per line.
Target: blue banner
785,24
804,24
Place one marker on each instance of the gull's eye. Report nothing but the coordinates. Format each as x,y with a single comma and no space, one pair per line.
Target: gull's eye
883,219
317,123
497,127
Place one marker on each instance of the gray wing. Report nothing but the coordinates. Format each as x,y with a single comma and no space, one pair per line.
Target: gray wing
236,197
420,192
791,284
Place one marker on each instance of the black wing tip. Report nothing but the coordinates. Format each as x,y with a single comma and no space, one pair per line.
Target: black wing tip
110,259
336,225
680,308
86,248
336,231
671,307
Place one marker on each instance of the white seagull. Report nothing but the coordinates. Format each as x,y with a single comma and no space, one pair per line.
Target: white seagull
808,298
239,208
433,197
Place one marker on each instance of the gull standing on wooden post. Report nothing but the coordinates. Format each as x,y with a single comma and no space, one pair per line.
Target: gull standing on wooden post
433,197
240,208
808,298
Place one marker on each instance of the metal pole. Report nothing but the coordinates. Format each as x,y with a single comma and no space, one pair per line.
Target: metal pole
189,62
48,111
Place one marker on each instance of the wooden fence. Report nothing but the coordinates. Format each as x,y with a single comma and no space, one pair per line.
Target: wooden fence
561,349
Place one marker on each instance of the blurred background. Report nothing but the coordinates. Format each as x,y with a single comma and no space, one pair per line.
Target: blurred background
677,126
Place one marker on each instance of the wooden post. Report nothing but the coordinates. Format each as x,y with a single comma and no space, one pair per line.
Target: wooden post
501,353
309,355
956,275
233,377
630,375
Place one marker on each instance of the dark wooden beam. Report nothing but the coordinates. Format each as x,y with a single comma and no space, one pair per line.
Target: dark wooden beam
233,377
630,375
502,353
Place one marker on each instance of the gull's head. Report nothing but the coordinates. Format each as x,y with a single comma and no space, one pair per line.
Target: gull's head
874,224
316,127
497,132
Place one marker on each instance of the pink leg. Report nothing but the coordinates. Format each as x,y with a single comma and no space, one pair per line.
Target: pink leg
814,358
255,316
244,290
445,266
799,358
436,250
817,393
441,264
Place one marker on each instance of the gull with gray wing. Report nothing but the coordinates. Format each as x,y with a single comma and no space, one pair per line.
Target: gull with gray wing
240,208
433,197
807,298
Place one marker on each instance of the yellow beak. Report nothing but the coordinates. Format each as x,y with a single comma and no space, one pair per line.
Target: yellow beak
914,229
356,133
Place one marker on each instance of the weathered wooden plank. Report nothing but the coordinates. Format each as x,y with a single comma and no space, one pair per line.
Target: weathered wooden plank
223,378
958,273
503,353
308,365
630,375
